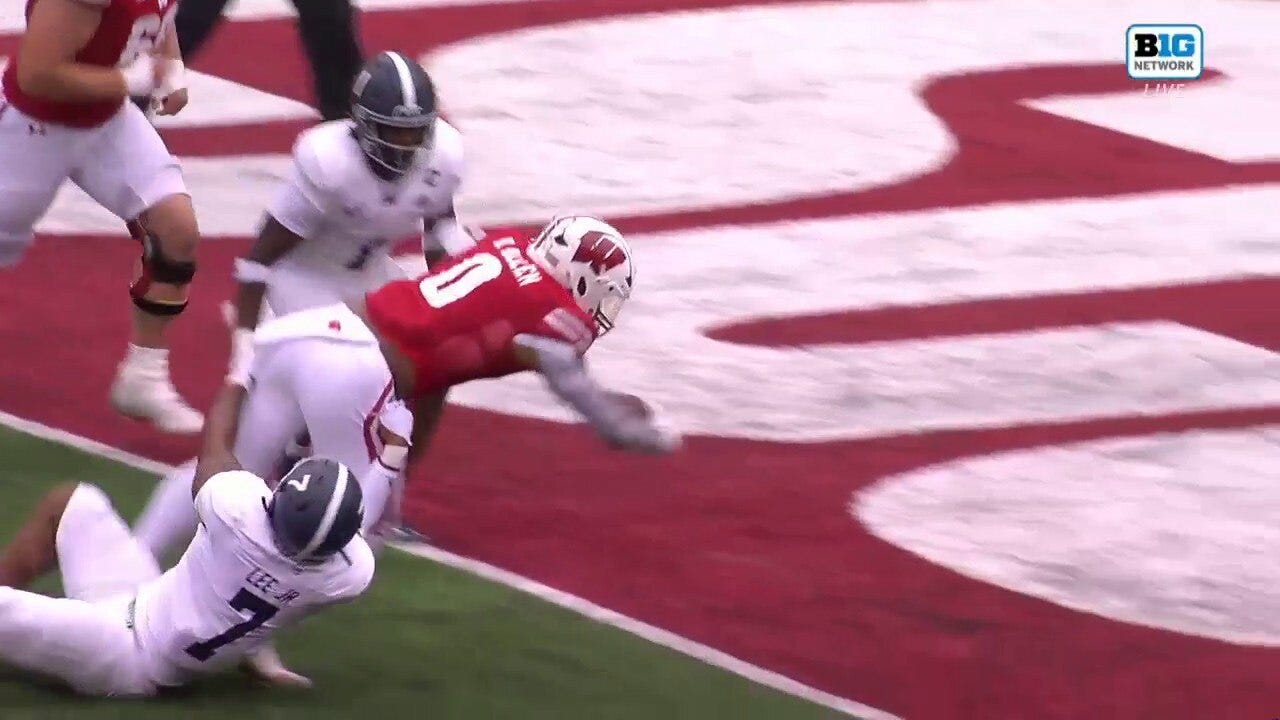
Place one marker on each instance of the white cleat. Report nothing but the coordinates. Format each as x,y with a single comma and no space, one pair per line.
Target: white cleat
142,390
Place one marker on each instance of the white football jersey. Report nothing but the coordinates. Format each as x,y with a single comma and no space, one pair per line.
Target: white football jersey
345,213
232,588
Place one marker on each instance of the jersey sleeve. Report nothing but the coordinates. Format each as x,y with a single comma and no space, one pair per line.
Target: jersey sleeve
450,160
225,500
302,204
357,575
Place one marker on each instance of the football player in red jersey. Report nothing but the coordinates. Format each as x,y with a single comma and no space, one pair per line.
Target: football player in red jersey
64,115
515,303
511,303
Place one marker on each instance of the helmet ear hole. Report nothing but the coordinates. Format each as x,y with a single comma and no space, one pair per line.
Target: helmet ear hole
582,286
561,241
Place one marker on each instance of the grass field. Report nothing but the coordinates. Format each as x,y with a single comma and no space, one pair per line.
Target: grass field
427,641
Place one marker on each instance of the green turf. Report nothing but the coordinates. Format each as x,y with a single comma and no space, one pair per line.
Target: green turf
425,642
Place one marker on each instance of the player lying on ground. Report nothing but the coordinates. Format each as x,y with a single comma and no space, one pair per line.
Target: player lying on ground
261,561
354,422
64,115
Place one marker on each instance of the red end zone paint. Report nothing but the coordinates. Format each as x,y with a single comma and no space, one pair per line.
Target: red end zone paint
746,546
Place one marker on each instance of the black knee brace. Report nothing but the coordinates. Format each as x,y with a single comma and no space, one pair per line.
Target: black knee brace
157,267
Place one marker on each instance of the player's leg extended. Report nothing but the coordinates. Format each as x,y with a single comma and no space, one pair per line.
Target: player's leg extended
36,159
33,550
83,639
86,645
342,388
169,519
134,176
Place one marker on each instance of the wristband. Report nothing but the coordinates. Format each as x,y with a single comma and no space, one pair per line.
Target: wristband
175,78
140,76
250,271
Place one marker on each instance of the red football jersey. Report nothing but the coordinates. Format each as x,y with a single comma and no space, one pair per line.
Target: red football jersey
457,322
127,29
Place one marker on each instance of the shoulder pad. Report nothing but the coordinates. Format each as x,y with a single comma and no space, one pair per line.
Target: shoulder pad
225,495
448,149
322,154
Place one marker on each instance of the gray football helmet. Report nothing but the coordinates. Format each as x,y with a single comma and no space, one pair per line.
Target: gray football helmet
393,104
315,510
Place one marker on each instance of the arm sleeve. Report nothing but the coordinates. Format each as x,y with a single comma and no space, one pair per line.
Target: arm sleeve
562,368
223,497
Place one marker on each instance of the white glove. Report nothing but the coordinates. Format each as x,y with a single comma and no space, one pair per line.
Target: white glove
397,418
141,76
640,435
241,357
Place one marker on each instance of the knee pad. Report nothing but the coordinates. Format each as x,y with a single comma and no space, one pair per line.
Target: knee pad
157,267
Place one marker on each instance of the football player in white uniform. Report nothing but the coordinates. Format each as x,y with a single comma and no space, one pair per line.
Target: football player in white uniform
357,187
339,391
261,561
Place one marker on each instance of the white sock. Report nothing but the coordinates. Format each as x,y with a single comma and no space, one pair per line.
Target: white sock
170,516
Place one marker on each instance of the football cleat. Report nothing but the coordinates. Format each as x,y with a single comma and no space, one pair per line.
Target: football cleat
143,390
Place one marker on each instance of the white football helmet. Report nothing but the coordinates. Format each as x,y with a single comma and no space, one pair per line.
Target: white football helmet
592,260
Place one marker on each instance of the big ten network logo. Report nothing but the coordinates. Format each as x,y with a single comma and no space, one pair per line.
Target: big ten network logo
1163,55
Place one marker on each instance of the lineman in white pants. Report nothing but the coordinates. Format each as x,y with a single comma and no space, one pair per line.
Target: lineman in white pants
318,371
315,371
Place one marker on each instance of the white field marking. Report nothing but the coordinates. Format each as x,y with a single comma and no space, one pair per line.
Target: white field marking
797,116
79,442
656,635
1174,531
693,280
678,110
586,608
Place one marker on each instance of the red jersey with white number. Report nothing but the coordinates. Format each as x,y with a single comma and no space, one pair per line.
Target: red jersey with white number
127,29
457,322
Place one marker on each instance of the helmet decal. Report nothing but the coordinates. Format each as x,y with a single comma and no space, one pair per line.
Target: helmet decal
599,251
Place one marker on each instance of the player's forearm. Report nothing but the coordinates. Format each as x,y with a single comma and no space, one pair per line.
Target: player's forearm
73,82
426,416
249,297
220,426
223,421
169,47
380,474
445,236
567,377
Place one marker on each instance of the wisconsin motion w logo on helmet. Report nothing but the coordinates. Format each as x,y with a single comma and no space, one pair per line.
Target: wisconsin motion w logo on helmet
591,259
393,104
316,510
